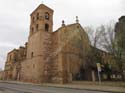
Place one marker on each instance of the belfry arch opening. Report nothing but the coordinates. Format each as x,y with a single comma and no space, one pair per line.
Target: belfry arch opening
47,15
47,27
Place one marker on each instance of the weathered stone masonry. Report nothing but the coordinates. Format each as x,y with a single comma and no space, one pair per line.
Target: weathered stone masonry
48,56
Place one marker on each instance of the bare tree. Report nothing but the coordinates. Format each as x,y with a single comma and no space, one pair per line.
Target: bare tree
115,46
103,37
94,56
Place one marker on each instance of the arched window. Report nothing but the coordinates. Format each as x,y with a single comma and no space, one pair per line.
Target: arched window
37,27
47,15
33,65
37,16
10,57
46,27
32,54
32,29
33,19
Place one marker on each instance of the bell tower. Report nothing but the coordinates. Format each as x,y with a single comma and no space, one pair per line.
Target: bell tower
39,42
41,19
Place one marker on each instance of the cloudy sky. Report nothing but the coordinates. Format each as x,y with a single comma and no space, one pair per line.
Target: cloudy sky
14,17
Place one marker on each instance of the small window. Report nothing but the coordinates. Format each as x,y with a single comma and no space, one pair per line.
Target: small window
33,19
10,57
33,65
46,27
32,29
47,15
37,16
15,60
32,55
37,27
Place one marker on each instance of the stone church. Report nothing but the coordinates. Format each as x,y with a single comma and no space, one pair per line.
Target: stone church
49,56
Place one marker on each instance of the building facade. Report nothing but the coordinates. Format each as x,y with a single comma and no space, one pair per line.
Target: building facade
49,56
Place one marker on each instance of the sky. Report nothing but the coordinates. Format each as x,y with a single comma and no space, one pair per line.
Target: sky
15,17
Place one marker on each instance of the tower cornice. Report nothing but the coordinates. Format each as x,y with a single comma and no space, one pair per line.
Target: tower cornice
42,5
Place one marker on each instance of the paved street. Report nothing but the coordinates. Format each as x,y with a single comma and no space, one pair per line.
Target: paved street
23,88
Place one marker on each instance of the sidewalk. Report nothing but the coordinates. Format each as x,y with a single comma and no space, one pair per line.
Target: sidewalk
90,87
79,85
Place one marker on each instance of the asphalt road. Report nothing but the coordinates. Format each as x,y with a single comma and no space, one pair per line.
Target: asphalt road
23,88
